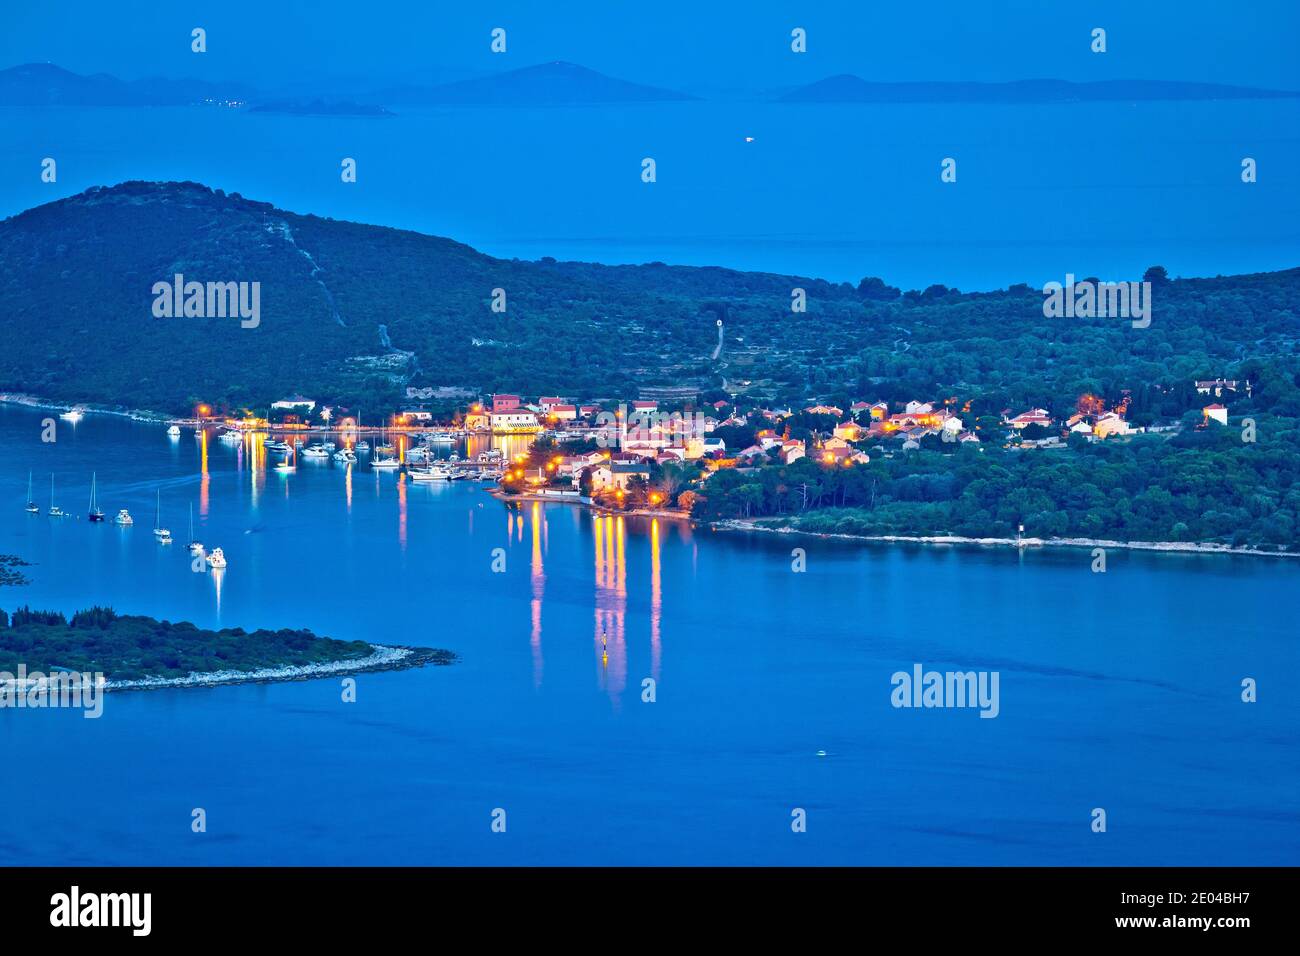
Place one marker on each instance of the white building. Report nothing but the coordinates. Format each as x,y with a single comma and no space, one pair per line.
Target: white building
515,422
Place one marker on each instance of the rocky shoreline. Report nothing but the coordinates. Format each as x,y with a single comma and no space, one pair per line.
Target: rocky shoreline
1169,547
45,404
383,658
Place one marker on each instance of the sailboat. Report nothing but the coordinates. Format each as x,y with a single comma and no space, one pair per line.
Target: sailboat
55,510
32,506
196,546
361,445
162,534
383,459
94,514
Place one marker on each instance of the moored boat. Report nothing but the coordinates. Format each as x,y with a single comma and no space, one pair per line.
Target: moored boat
195,546
55,511
94,513
432,473
163,535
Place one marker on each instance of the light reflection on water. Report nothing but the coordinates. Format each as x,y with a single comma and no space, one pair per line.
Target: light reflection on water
1117,688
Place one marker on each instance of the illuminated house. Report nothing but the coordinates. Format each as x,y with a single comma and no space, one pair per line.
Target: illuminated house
562,413
850,431
1110,424
791,450
841,457
548,402
505,403
513,423
615,477
1035,416
825,410
293,403
1215,412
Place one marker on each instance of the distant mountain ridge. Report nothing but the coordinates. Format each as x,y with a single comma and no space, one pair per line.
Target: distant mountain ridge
848,88
562,84
44,84
545,84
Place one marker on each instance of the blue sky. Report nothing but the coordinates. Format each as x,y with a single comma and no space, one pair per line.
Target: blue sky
707,47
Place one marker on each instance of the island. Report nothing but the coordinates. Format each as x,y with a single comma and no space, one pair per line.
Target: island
876,412
137,653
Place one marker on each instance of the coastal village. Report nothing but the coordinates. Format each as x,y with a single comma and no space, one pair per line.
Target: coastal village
658,454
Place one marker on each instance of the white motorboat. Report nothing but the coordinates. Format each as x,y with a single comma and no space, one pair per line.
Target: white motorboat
124,518
73,415
432,473
233,436
174,431
344,455
217,559
315,451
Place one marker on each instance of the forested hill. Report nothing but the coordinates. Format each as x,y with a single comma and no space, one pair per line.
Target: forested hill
75,295
350,313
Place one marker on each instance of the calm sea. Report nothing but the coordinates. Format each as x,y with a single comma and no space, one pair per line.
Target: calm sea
838,192
1118,691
